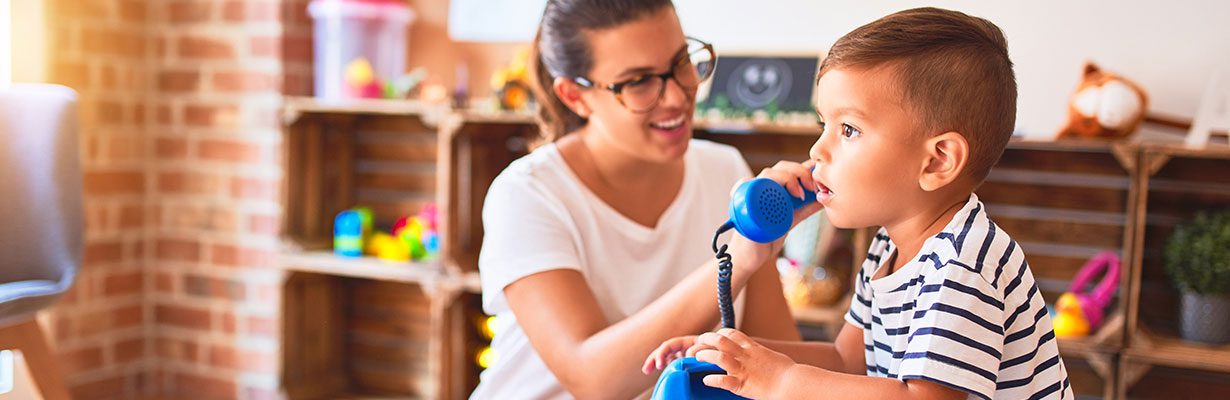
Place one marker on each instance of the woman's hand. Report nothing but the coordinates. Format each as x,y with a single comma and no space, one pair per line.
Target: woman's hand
795,177
670,350
752,370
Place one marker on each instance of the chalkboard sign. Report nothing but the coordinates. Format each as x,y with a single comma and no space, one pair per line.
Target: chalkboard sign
744,84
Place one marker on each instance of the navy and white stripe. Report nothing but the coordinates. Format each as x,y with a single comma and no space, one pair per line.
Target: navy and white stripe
965,313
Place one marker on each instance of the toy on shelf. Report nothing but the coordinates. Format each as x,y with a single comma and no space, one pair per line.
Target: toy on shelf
1079,312
351,230
511,84
411,239
1104,105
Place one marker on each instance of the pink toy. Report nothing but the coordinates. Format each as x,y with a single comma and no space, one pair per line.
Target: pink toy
1093,304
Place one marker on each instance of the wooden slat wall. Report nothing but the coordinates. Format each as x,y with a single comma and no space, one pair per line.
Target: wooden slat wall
1062,206
387,334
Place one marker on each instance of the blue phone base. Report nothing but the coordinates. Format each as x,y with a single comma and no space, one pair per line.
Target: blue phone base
682,380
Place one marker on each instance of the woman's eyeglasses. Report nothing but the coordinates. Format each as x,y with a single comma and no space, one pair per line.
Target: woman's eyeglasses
642,93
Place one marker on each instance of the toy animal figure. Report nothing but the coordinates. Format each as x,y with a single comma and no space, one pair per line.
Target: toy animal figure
1104,105
1079,312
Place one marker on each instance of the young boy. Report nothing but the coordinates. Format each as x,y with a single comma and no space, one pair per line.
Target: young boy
915,109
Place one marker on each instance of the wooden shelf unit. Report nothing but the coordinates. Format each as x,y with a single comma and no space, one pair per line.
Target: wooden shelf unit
1062,201
1177,181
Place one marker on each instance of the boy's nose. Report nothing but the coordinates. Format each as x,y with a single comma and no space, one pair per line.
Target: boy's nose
819,151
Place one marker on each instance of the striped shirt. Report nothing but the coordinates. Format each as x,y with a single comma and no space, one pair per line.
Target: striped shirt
966,313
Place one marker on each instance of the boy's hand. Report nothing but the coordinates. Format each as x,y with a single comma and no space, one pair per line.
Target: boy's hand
670,350
795,177
752,370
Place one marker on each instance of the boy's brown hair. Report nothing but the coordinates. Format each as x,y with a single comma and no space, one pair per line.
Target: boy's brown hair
953,70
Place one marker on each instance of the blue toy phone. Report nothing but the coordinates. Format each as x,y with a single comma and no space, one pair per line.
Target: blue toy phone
761,210
682,379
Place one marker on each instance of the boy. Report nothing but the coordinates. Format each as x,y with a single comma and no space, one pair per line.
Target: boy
915,109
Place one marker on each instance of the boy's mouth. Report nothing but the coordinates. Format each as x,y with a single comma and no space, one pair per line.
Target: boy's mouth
824,194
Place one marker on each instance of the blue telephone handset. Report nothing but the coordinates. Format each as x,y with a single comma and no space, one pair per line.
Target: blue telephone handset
761,210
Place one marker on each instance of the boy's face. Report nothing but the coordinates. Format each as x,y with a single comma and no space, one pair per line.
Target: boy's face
870,154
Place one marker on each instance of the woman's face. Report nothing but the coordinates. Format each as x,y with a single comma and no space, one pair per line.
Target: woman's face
648,45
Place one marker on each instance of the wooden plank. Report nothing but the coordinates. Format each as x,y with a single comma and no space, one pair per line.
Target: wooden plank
1103,200
324,262
1061,161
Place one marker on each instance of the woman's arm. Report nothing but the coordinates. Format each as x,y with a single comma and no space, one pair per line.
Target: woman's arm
595,358
765,312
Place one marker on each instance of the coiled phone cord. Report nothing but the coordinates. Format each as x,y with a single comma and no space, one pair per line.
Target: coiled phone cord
725,269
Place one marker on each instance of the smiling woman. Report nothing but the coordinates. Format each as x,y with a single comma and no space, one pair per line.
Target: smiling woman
596,244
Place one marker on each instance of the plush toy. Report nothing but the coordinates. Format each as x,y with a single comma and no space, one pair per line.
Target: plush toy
1104,105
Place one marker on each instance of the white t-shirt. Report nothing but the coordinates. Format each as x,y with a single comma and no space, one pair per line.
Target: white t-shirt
538,216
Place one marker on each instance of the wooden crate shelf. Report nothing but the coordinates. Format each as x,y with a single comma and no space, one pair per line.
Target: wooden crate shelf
1176,181
1062,201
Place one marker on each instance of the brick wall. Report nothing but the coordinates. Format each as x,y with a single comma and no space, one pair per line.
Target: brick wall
177,297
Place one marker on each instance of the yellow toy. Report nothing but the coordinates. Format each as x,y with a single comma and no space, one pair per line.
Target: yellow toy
386,247
1070,320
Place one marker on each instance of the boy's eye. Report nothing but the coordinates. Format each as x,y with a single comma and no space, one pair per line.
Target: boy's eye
850,132
820,123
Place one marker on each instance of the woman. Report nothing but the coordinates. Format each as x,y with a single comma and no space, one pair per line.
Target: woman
597,244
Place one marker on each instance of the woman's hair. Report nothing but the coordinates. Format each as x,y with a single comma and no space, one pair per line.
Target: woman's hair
561,49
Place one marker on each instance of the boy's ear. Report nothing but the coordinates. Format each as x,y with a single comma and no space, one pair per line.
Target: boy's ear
947,157
570,94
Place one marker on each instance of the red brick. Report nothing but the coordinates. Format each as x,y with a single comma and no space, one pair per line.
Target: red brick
245,81
224,357
262,327
130,316
254,189
176,349
183,317
196,47
297,47
81,9
101,322
209,116
129,350
164,283
251,11
113,42
164,114
179,81
180,250
209,218
109,387
227,255
265,47
178,182
118,284
99,252
171,148
205,286
205,387
133,11
111,183
125,147
231,150
229,323
81,360
264,224
108,112
132,217
189,11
